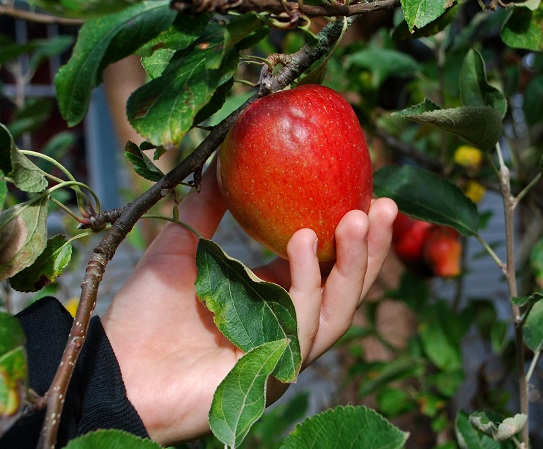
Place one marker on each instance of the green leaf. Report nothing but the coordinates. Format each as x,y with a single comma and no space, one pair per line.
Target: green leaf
163,110
184,31
470,438
240,399
23,236
24,174
3,192
13,371
383,62
141,164
401,31
531,101
111,439
498,431
523,28
380,374
419,13
49,47
425,196
474,87
533,327
48,266
529,300
248,311
346,427
103,41
31,117
217,100
82,8
536,261
479,125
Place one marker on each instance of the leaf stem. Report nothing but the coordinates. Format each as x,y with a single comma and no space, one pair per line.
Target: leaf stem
491,252
526,189
173,220
533,364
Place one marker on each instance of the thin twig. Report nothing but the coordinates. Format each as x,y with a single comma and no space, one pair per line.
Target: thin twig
510,275
36,16
105,250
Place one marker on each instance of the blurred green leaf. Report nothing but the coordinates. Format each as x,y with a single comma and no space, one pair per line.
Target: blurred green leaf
248,311
82,8
523,28
384,62
536,261
470,438
413,290
381,374
498,431
346,427
531,104
23,235
3,192
479,125
30,117
240,399
103,41
474,88
528,300
423,195
58,145
533,327
48,266
13,371
394,401
419,13
112,439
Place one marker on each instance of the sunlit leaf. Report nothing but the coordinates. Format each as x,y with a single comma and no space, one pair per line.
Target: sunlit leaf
164,109
111,439
23,236
479,125
498,431
48,266
103,41
419,13
240,398
248,311
346,427
474,88
425,196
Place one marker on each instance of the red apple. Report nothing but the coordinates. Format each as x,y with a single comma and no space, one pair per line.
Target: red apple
295,159
443,251
408,237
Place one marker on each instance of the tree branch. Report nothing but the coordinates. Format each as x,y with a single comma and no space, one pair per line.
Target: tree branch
279,6
105,250
31,16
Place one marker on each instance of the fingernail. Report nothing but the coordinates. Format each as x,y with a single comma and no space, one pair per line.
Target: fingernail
315,245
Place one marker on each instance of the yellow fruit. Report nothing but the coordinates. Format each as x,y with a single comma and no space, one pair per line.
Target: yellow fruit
474,191
467,156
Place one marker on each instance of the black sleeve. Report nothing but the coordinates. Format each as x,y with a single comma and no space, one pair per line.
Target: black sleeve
96,397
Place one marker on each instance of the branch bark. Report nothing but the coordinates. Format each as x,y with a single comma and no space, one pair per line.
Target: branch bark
105,250
31,16
281,6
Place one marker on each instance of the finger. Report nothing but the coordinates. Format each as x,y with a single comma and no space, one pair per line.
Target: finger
305,289
202,211
344,285
381,215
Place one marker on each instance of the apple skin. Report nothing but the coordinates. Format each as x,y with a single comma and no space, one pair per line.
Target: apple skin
443,251
408,237
426,249
295,159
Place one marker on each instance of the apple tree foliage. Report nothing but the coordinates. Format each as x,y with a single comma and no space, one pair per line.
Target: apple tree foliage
427,78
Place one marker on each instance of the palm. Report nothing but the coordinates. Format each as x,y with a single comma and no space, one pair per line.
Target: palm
172,357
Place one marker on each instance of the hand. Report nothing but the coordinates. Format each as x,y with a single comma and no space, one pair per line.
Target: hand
172,357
